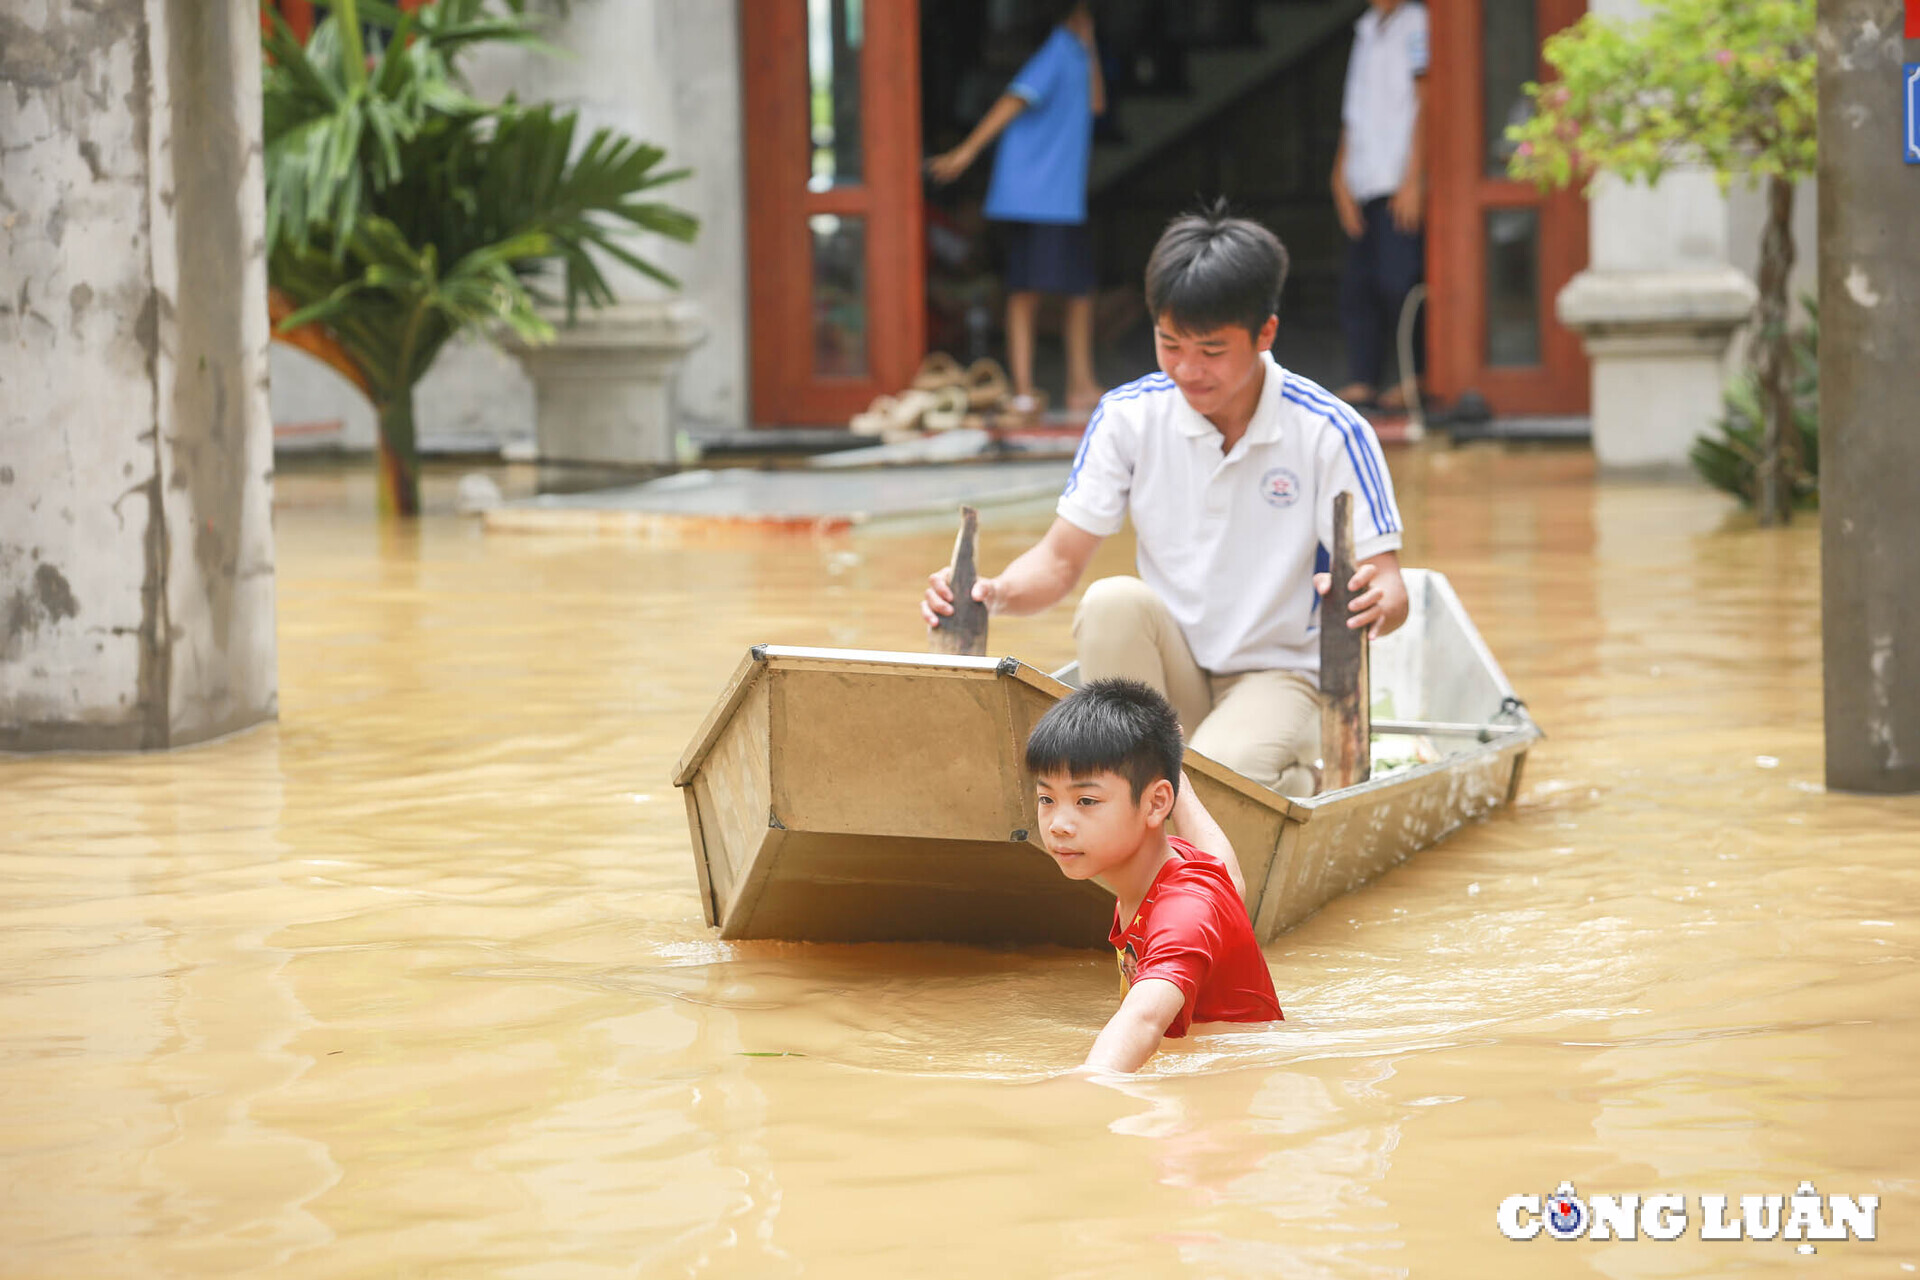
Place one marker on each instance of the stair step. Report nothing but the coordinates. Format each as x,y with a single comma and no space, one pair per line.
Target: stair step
1219,77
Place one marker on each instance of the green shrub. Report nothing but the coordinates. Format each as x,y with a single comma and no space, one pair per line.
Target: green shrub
1730,460
1728,84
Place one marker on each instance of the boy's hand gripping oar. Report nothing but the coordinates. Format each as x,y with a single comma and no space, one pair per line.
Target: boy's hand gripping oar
1346,709
964,631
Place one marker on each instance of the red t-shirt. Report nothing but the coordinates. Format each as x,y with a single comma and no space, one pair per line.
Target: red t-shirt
1192,930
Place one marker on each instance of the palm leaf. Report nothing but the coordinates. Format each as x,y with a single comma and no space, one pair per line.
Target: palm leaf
402,211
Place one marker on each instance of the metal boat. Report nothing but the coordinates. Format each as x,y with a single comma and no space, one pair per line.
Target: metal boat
844,795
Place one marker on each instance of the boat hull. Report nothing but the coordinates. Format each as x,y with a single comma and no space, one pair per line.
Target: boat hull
860,796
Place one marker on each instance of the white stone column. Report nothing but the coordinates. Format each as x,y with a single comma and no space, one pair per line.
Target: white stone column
136,545
1657,307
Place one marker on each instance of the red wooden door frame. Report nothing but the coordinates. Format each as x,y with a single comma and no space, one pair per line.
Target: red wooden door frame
1461,194
773,39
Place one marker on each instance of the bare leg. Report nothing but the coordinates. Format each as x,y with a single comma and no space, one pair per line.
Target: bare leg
1083,389
1021,310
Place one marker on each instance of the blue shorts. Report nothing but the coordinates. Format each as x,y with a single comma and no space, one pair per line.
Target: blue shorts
1049,257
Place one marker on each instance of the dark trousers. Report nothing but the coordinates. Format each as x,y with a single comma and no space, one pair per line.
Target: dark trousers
1382,267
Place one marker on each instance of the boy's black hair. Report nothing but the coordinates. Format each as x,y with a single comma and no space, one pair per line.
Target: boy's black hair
1117,726
1210,270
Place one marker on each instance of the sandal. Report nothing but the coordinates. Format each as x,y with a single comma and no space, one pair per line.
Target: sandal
949,410
987,384
904,419
938,372
876,418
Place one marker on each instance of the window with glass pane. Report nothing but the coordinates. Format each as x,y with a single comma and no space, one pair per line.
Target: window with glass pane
835,33
1510,49
839,295
1513,287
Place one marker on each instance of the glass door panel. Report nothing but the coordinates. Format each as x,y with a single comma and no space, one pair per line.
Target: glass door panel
839,295
835,31
1510,54
1513,288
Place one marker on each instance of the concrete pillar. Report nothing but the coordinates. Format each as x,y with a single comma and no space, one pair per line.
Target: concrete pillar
1869,398
136,546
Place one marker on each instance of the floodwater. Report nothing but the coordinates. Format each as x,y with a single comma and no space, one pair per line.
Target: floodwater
415,982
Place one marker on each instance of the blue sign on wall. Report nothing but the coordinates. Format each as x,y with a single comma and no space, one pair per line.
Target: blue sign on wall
1910,94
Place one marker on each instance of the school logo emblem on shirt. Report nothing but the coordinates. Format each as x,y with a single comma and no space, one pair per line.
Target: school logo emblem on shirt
1280,487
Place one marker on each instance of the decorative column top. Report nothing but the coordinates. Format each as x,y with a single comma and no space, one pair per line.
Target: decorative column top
666,325
1716,299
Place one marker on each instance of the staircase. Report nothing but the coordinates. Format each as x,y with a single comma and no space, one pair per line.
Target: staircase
1286,29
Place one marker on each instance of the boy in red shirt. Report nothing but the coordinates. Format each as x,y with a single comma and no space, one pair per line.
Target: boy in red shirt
1107,763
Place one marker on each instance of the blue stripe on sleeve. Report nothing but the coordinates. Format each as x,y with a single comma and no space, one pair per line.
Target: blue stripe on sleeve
1360,472
1131,391
1357,431
1357,428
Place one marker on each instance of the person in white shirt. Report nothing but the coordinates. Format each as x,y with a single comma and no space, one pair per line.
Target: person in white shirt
1379,186
1228,465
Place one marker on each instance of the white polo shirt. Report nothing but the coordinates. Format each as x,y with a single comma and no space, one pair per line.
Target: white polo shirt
1230,544
1381,103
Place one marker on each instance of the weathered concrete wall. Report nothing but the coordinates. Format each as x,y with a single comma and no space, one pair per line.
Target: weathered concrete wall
664,71
136,553
1869,448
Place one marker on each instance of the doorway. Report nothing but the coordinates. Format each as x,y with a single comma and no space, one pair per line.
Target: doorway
855,268
1498,251
1239,98
836,266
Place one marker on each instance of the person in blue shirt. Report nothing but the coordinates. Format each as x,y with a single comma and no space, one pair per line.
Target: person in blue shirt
1044,122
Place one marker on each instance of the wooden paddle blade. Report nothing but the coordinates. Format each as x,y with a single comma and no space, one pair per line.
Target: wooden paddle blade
1346,708
964,631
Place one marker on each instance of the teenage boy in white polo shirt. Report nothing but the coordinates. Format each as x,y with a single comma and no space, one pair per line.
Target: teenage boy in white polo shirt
1228,465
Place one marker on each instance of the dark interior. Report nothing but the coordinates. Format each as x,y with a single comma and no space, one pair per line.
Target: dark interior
1239,98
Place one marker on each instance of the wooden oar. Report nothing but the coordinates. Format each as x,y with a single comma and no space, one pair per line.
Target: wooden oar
964,631
1346,697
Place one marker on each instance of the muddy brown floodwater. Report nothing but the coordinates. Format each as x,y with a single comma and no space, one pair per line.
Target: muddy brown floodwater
415,982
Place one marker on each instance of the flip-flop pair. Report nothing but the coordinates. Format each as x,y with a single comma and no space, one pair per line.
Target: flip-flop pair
984,381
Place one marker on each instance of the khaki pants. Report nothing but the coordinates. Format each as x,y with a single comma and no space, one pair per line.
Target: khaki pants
1264,724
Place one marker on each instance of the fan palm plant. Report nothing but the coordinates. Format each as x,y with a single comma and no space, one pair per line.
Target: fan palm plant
402,211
